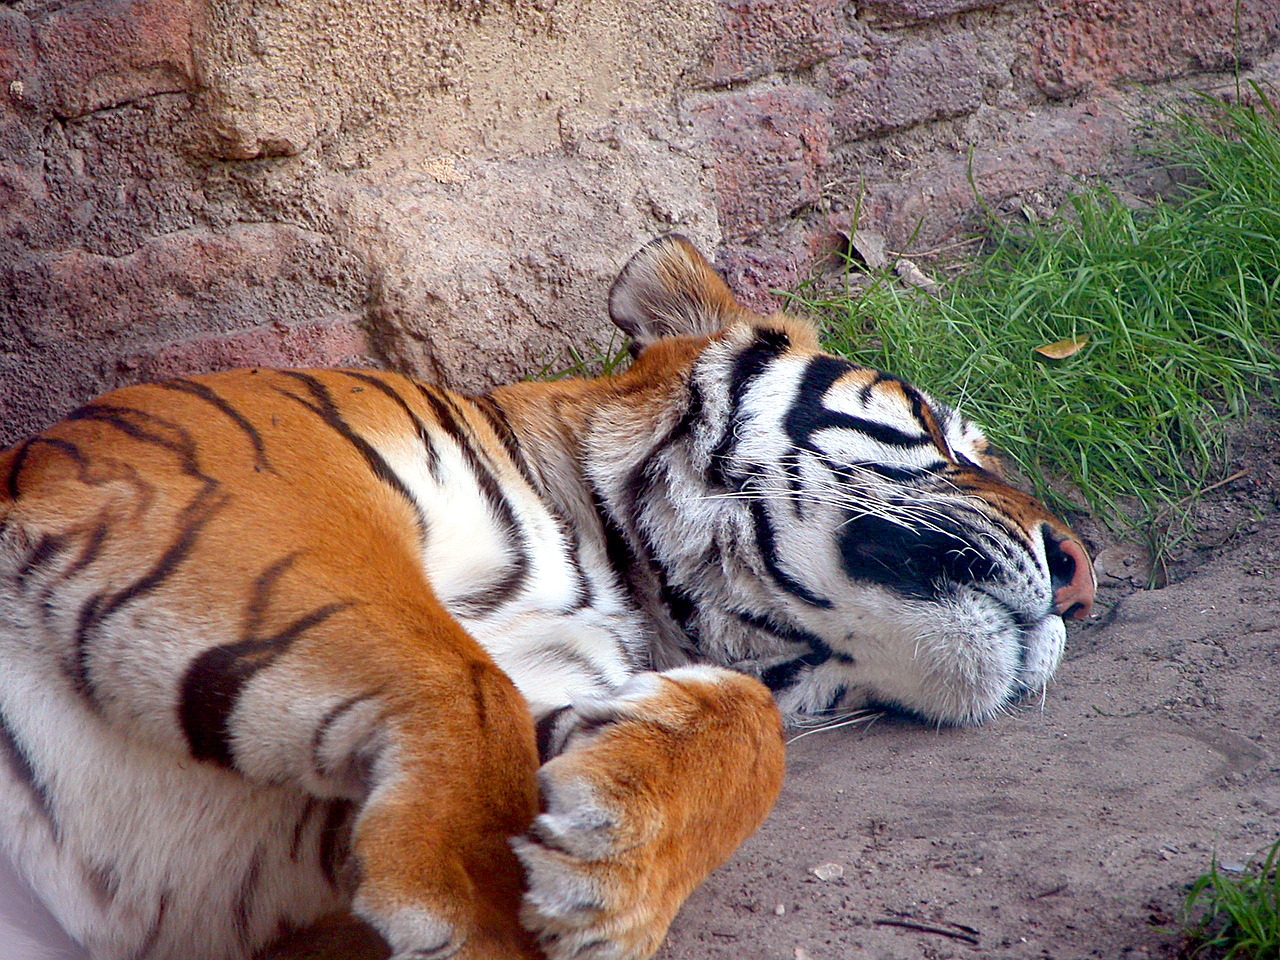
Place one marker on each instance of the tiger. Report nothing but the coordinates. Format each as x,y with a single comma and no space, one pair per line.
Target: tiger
498,675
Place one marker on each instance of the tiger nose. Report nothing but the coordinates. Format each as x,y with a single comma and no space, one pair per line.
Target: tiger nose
1071,575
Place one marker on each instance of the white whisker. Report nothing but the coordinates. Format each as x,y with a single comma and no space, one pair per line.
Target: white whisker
858,717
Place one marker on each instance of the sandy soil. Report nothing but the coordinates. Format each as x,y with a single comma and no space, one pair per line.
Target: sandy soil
1068,829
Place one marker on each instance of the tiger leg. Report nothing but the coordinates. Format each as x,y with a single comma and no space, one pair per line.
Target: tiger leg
654,789
438,752
419,756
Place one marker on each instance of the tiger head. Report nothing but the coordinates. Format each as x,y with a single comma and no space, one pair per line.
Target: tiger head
823,525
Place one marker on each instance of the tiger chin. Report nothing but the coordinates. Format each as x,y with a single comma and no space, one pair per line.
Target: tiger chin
503,676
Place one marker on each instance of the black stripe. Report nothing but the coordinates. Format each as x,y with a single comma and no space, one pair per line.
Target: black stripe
157,926
479,672
419,428
103,883
496,417
547,733
24,451
246,894
24,773
335,839
264,585
833,701
808,414
100,607
178,441
584,591
747,366
156,431
679,602
47,549
309,810
209,395
16,467
793,634
781,676
324,407
767,541
447,414
326,723
216,677
617,548
638,492
562,653
90,551
623,561
489,599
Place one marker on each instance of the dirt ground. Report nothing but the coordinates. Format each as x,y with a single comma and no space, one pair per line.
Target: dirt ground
1068,829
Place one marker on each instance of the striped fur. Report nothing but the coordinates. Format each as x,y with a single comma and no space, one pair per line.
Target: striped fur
281,644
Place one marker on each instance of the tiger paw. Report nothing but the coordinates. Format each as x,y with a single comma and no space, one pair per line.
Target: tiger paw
656,787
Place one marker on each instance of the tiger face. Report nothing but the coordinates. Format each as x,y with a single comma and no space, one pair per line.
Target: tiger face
832,529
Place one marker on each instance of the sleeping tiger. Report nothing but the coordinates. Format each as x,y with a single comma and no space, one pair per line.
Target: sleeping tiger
502,675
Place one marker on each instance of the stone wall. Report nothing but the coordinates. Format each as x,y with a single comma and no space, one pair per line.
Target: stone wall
449,187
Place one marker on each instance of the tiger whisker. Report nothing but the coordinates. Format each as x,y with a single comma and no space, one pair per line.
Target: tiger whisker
861,717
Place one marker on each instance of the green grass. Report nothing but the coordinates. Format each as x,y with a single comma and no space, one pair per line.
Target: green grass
1180,302
1236,916
594,359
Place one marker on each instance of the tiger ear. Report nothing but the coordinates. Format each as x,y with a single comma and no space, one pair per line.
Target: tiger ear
667,290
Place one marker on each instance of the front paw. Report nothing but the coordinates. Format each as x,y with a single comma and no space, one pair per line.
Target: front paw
656,787
584,881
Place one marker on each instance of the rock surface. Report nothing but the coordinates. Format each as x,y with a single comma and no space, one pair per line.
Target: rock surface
449,188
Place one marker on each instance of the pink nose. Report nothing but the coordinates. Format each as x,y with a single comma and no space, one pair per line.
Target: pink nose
1075,598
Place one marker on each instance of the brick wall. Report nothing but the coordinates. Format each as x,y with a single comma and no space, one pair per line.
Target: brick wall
134,244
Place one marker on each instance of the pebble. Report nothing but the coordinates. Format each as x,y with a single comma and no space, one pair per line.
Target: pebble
829,871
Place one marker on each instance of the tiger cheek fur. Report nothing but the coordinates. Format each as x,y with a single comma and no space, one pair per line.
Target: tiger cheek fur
277,644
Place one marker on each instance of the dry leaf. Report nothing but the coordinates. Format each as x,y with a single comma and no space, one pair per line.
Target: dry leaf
869,247
829,871
1061,349
910,274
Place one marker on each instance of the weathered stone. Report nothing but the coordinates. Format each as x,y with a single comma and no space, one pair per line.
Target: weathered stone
17,53
329,343
184,284
20,194
501,271
768,148
102,53
907,85
758,270
1040,153
758,37
39,387
1078,45
115,178
902,13
462,181
385,75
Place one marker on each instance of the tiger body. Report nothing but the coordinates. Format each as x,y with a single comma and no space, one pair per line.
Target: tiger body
281,644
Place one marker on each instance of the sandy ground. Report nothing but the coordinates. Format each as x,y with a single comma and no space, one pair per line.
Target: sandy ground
1068,829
